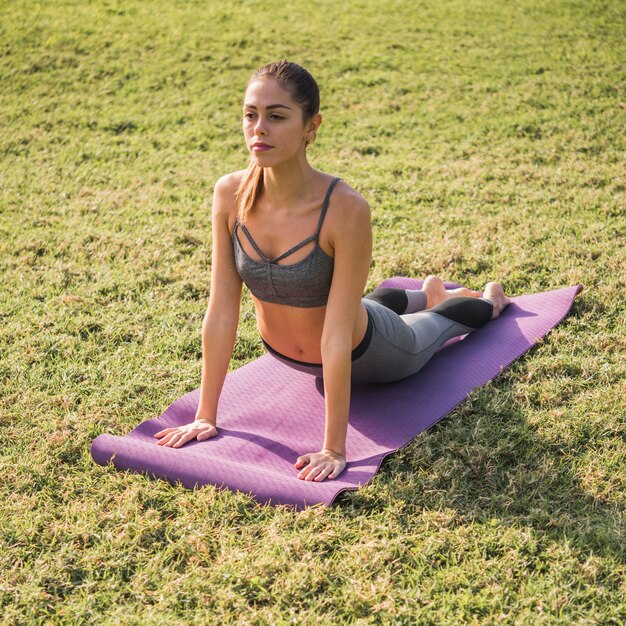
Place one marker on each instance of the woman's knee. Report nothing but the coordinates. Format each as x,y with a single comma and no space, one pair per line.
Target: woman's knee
391,298
472,312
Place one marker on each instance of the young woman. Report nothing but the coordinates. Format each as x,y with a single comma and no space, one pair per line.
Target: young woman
301,241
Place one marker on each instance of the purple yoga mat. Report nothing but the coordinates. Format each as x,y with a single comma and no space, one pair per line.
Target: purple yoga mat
269,414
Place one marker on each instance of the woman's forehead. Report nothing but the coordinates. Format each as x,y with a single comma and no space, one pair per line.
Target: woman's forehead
264,92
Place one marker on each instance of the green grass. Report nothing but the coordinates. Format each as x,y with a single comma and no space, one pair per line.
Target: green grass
489,139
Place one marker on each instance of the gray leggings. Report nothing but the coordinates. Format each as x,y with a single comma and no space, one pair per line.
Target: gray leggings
399,345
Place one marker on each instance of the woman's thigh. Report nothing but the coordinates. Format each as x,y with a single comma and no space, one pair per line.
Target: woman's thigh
402,344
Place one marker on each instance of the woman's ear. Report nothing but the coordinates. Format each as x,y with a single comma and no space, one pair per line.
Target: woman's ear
312,125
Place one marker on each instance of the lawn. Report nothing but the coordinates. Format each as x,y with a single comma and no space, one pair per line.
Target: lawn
488,137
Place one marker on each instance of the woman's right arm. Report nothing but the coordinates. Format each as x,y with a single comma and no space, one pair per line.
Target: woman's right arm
219,327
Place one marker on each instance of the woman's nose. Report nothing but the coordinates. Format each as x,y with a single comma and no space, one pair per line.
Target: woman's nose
259,127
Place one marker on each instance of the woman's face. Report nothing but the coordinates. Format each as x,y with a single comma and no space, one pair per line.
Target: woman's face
273,124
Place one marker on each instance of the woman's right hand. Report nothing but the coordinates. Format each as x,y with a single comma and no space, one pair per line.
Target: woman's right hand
179,436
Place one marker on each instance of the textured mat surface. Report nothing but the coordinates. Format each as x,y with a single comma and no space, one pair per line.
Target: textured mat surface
270,414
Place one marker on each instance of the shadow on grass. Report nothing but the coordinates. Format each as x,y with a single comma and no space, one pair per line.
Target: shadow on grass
486,462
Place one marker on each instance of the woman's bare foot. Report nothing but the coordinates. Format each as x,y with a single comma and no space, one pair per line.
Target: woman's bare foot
436,292
495,294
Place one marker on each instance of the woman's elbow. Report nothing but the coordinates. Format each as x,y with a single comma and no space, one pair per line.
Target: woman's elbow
220,318
336,346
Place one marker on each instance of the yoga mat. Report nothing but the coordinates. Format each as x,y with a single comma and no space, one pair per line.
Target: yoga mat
269,414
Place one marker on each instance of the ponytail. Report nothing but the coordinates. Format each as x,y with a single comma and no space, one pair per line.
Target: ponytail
249,190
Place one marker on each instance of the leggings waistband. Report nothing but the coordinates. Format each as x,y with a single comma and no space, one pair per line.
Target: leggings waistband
356,353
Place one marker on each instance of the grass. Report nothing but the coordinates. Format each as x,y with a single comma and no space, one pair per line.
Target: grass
488,138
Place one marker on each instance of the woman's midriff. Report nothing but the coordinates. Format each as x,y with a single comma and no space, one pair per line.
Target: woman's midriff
297,332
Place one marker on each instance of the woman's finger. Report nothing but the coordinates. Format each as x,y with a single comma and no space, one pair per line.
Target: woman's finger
183,439
301,460
336,471
177,438
323,474
162,433
173,438
163,441
206,434
314,472
304,473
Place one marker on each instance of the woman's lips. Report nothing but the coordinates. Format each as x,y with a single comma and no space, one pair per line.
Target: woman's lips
261,147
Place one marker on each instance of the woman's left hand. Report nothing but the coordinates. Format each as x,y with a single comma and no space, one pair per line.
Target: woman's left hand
320,465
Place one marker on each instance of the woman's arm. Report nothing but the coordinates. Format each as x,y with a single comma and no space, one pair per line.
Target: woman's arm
351,238
219,327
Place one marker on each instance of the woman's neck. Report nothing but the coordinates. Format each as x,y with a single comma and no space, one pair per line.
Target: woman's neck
288,182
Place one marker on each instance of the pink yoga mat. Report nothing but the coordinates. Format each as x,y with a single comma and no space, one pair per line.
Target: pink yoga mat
269,414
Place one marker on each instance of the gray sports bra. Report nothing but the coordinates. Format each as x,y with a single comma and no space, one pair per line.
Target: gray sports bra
302,284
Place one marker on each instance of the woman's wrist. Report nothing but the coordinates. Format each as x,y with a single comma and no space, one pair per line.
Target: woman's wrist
337,452
211,421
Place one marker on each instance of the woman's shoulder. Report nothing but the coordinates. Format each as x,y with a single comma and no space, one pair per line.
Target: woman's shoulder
347,203
224,196
229,183
348,212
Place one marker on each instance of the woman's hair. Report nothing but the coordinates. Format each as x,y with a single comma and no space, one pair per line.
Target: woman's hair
304,90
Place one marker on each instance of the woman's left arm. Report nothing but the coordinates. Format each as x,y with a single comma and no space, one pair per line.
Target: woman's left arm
351,238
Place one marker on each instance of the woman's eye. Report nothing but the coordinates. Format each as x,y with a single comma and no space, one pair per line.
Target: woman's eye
250,116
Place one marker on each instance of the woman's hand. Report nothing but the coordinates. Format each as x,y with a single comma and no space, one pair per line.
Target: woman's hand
324,464
179,436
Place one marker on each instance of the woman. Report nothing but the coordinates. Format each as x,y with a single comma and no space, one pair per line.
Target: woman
301,241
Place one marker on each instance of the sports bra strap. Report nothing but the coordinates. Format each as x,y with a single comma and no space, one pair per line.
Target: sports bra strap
325,204
249,237
296,247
